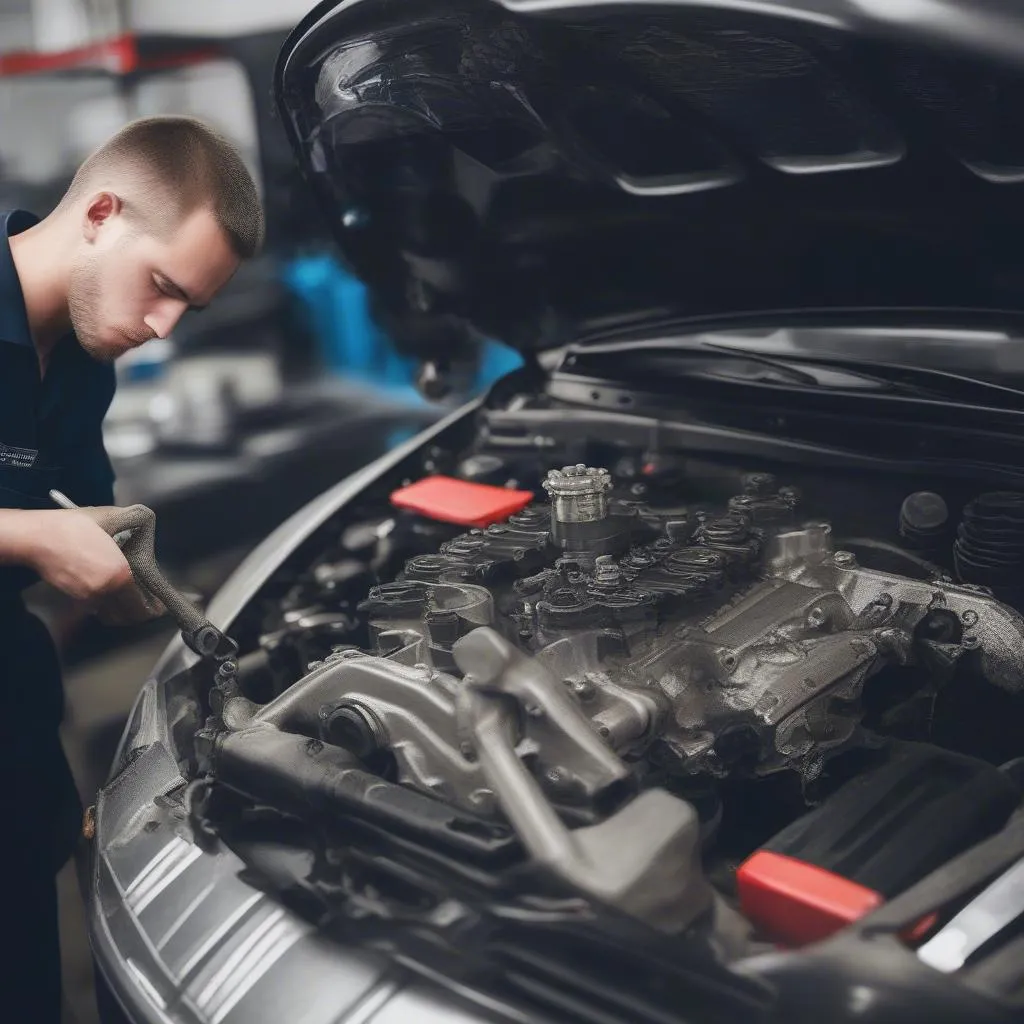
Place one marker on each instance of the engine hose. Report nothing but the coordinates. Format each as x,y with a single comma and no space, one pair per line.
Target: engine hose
305,777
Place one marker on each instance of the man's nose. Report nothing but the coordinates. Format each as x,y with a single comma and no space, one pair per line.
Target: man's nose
164,319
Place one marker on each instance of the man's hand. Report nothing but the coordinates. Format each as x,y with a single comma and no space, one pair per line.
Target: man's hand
68,550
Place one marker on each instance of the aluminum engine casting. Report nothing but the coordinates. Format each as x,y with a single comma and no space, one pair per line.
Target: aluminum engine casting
738,640
525,669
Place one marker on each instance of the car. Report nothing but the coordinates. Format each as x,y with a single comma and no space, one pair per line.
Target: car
679,677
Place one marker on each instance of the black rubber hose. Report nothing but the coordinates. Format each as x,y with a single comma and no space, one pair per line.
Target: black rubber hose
308,778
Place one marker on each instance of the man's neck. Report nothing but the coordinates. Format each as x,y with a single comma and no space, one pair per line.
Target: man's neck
37,253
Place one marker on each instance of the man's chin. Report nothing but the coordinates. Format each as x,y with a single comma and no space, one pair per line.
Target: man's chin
106,350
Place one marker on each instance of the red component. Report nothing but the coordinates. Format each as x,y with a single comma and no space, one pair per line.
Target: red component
120,55
458,501
796,903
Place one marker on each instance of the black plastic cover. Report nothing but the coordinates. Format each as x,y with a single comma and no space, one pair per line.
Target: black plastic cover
544,170
894,824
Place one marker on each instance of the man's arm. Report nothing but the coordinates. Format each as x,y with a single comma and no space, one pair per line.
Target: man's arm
88,479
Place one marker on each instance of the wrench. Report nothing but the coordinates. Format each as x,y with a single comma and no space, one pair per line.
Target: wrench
134,531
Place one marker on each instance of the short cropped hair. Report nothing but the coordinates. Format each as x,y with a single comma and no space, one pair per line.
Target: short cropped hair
177,164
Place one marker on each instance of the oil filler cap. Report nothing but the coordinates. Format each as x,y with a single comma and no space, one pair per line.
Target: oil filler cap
458,501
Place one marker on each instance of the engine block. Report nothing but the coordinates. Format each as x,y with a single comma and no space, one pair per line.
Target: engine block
721,641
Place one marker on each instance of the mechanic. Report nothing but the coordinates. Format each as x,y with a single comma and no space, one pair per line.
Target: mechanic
155,222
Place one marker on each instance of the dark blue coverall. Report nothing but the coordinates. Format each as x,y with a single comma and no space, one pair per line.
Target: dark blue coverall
50,436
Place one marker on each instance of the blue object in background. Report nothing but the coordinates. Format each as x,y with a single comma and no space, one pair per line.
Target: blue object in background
353,345
495,361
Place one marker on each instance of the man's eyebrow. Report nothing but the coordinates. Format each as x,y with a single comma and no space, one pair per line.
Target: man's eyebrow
178,292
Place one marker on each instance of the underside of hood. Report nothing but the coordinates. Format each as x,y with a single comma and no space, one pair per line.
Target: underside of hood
537,171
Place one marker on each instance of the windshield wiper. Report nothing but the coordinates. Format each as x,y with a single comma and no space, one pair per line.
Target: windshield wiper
798,369
779,365
913,381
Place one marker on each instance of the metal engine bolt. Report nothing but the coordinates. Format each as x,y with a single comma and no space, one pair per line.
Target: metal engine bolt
584,689
969,618
816,618
844,559
226,680
355,729
579,494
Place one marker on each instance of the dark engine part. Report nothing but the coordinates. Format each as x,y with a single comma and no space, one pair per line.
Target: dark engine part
989,547
895,823
321,782
924,521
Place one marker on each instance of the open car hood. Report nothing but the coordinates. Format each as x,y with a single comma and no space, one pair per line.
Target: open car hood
536,171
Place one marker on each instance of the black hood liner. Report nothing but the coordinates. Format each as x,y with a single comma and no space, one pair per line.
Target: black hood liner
542,176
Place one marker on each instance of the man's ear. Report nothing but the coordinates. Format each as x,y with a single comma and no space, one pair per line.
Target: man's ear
102,206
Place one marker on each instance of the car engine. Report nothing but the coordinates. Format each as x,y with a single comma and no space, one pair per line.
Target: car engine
584,667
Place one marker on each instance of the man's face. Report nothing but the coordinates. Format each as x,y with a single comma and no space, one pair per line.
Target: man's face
128,286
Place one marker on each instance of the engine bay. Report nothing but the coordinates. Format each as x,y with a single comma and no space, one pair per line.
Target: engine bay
561,681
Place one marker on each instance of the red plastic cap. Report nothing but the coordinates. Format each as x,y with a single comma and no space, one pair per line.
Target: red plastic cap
795,903
458,501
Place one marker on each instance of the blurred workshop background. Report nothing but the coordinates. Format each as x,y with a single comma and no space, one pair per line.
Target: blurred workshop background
287,384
